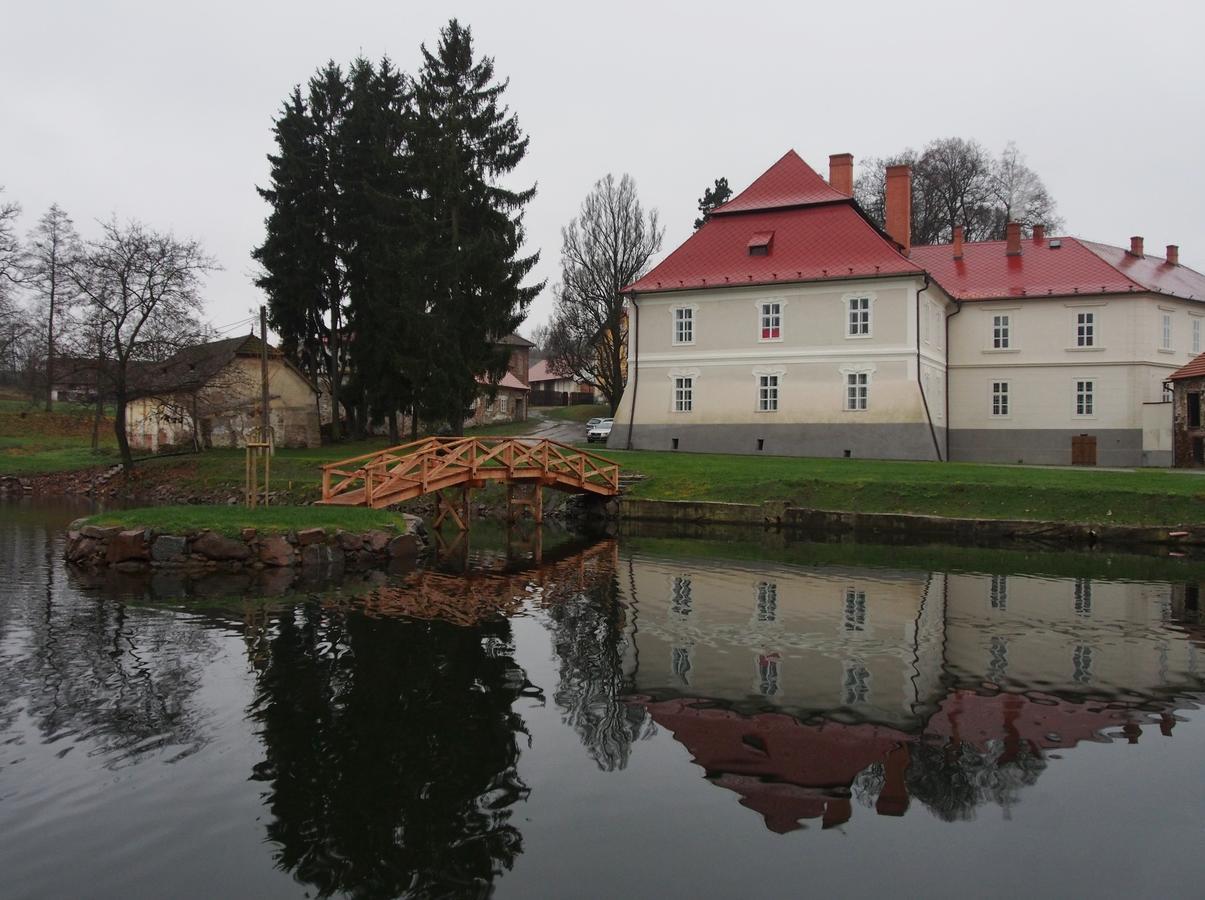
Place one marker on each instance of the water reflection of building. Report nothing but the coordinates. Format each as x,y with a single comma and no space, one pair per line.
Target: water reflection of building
804,690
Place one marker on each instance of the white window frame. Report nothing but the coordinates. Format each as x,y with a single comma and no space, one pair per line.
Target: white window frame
1001,331
1165,333
1079,395
767,393
857,391
846,373
868,299
684,315
684,394
1196,335
758,375
1085,329
764,315
1001,399
675,375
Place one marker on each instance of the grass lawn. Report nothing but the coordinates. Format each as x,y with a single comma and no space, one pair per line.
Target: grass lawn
230,520
1140,497
33,441
582,413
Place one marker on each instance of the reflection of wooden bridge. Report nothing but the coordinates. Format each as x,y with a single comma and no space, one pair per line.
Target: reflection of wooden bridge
434,465
467,599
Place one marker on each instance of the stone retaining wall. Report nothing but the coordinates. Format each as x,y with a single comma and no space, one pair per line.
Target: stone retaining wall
870,526
136,549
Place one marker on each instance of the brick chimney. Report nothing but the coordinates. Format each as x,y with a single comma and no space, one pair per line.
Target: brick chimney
958,233
899,206
1012,234
1136,246
1173,254
1039,233
841,173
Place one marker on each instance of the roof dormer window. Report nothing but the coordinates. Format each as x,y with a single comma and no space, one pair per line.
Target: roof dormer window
759,244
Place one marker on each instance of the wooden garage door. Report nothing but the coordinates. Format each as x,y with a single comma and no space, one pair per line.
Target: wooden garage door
1083,450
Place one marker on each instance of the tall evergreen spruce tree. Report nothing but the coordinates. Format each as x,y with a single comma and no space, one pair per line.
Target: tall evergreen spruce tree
466,139
379,240
291,257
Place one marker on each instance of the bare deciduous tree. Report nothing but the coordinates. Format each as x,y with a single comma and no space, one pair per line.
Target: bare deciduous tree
956,182
51,249
143,286
10,275
606,248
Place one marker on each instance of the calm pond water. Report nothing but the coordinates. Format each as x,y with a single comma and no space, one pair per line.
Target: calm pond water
646,717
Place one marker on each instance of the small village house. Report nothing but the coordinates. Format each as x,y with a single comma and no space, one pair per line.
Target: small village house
1188,431
791,324
551,388
505,400
210,396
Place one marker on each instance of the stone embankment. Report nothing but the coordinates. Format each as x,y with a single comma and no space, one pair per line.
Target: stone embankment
870,527
139,549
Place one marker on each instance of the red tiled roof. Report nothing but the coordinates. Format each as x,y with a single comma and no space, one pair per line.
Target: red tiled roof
812,243
987,272
789,182
540,371
507,381
1194,369
813,233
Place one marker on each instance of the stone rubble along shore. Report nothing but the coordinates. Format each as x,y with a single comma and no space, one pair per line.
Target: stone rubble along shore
139,549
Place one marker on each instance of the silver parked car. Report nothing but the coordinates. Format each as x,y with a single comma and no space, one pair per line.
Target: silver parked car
600,431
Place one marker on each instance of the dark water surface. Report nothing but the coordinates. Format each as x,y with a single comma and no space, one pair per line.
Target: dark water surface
645,717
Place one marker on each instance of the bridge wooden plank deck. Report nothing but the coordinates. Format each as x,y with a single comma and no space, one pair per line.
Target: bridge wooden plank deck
431,465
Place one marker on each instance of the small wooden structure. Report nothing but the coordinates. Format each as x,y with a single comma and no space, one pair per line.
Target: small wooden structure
259,442
451,467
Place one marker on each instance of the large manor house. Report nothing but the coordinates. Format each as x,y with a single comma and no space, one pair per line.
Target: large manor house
791,324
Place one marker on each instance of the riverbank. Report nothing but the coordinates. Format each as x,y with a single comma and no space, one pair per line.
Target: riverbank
1140,497
201,537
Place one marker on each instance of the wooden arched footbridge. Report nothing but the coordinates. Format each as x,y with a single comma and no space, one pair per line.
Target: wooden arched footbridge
434,465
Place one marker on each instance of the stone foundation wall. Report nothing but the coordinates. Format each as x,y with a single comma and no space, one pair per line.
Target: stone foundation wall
137,549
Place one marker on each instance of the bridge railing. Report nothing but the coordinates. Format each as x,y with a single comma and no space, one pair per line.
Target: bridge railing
431,464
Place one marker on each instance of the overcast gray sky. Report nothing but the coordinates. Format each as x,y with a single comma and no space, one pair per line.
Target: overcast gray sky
163,110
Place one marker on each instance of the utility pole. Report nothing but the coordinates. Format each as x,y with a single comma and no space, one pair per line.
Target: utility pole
263,371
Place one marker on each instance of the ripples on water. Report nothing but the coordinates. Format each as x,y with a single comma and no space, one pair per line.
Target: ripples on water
647,716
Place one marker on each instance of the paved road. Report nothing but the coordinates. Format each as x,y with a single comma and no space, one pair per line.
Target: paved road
555,430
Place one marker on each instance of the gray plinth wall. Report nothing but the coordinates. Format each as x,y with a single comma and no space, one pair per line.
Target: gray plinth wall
867,440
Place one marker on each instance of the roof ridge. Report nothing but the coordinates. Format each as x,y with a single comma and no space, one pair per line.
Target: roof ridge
1089,245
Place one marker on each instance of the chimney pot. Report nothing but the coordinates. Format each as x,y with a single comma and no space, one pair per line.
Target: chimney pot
1013,236
1039,233
1173,254
841,173
1136,246
958,236
899,206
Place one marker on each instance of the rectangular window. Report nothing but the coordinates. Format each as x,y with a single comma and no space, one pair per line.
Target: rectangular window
855,682
1085,329
1085,398
1196,335
1001,328
684,325
998,592
771,321
854,613
767,393
684,394
999,398
1165,341
859,316
1194,410
857,390
767,601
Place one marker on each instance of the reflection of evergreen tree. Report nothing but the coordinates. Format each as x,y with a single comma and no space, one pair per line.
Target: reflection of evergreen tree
587,635
390,753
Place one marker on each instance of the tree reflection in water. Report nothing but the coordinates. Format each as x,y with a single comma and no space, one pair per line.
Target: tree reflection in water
589,641
390,752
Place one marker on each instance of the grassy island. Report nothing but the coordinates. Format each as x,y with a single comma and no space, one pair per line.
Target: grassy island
231,520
